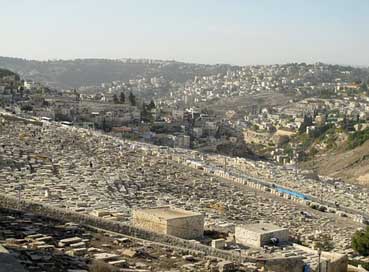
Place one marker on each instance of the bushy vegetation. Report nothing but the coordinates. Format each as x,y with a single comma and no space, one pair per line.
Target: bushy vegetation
325,242
5,72
357,263
360,242
326,94
307,141
358,138
330,137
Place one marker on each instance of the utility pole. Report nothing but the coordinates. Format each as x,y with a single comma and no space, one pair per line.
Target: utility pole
319,255
19,188
315,171
19,195
321,192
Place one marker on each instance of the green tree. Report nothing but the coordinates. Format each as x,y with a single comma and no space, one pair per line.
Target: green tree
122,98
45,103
360,242
364,87
132,99
151,105
115,99
106,126
76,95
5,73
145,113
308,121
26,108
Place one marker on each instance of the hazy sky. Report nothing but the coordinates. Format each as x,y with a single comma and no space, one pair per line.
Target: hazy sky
202,31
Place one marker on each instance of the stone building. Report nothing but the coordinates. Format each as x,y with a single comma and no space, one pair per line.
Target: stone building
175,222
258,235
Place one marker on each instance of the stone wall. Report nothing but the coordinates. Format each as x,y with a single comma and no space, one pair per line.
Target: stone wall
281,234
191,227
251,238
245,237
282,264
337,262
12,118
149,222
188,227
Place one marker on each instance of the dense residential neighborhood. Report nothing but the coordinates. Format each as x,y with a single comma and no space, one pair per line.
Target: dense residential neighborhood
276,106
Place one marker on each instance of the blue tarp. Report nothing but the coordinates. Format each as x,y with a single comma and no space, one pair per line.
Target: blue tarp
292,193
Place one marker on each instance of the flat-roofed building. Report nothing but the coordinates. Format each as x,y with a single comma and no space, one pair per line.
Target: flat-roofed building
169,221
258,235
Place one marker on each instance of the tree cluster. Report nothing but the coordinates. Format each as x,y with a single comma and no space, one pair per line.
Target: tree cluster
360,242
358,138
146,113
122,98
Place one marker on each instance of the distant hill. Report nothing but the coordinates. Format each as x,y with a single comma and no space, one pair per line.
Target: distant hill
65,74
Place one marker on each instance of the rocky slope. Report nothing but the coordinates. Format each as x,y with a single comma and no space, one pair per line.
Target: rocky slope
349,165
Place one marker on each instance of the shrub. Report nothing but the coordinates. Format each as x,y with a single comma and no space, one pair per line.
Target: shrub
99,266
360,242
358,138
